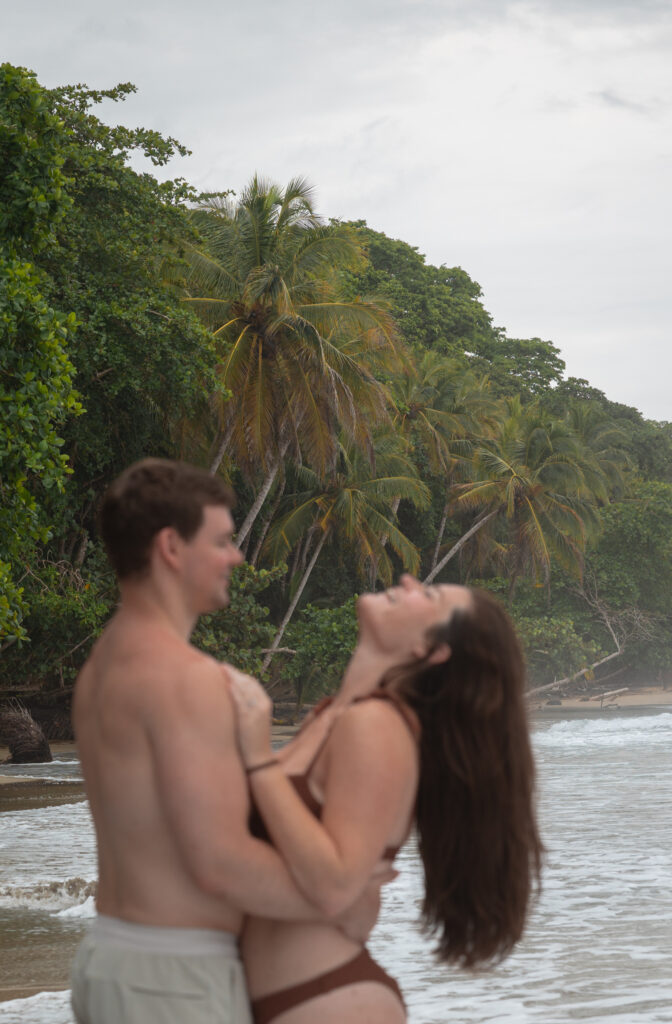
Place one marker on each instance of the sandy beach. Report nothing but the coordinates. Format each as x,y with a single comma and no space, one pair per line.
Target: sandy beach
642,697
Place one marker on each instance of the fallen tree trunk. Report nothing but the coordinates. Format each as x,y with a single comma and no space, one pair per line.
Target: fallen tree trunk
570,679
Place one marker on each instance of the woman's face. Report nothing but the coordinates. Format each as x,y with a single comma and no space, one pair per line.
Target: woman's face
396,620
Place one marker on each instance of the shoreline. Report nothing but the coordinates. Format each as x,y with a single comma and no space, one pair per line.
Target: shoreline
279,734
26,991
639,699
646,697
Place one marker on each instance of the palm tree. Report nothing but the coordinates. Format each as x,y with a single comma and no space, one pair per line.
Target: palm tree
603,440
351,507
540,483
297,360
441,408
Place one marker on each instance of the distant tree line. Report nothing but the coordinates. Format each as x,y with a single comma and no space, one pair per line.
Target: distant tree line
370,416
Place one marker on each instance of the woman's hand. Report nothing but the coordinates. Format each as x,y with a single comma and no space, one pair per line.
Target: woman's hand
253,717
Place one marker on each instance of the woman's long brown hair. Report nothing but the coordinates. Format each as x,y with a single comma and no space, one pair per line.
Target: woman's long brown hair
475,810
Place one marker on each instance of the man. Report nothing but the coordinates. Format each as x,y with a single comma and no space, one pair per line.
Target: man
154,727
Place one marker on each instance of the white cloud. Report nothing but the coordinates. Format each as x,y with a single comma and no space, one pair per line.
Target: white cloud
528,142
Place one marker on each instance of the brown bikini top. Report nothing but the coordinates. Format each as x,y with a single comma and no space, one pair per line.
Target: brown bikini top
301,781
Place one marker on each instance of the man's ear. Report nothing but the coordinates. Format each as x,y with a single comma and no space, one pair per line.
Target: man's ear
438,655
167,546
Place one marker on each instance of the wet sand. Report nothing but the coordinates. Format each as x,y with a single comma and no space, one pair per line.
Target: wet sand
644,697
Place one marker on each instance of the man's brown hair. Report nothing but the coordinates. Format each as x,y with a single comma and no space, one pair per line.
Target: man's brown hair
148,496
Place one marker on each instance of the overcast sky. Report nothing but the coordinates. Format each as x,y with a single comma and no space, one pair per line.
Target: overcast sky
529,142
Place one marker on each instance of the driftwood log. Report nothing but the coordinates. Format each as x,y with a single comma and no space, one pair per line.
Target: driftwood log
20,732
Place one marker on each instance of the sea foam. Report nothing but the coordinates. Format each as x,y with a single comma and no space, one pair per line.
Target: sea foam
620,731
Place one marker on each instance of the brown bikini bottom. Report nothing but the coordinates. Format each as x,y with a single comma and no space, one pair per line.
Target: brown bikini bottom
361,968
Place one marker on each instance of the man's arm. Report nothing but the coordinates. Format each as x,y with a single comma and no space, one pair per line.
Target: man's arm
203,792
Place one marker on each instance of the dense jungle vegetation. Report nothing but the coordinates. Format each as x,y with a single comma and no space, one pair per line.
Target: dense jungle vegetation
368,412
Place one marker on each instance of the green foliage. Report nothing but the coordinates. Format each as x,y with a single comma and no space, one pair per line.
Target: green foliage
103,246
525,366
35,385
241,631
66,612
324,639
633,559
36,375
649,445
558,637
32,182
12,606
554,647
142,358
435,307
36,395
440,308
646,443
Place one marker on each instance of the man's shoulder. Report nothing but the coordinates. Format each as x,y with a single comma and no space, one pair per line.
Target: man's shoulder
183,667
192,695
151,661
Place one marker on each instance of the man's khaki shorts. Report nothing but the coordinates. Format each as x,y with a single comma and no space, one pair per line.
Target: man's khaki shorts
135,974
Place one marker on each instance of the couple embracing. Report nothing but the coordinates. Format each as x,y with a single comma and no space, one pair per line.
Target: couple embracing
239,885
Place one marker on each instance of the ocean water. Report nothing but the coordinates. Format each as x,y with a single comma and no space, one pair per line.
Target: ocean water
598,947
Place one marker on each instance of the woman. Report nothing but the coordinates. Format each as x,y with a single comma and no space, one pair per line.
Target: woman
428,727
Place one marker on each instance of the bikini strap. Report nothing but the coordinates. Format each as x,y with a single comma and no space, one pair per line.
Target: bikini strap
399,705
314,713
379,694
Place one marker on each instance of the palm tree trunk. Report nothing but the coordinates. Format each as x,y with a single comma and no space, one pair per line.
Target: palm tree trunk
295,600
394,508
266,526
439,536
459,545
221,448
24,737
373,569
81,550
293,568
261,496
305,548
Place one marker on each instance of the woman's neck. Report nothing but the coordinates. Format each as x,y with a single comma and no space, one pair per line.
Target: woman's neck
363,674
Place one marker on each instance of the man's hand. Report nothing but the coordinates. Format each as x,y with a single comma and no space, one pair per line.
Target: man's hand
358,921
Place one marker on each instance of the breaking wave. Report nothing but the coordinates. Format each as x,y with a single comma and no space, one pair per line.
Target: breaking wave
65,896
646,730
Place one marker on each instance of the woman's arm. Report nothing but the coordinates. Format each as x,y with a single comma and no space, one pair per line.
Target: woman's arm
369,790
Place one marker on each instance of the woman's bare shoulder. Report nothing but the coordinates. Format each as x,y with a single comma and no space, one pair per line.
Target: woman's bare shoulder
377,723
